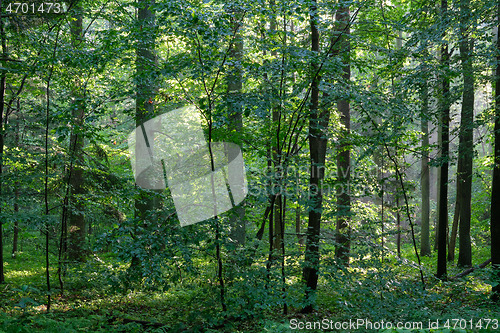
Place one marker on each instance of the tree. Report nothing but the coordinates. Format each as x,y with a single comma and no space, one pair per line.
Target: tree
2,137
495,190
16,186
465,150
454,226
445,137
425,247
275,129
342,17
77,226
318,121
234,105
144,109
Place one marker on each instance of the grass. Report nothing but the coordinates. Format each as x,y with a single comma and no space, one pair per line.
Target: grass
369,290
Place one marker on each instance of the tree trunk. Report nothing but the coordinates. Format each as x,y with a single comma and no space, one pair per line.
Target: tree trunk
398,228
144,111
443,181
317,150
278,223
425,247
298,222
234,104
495,191
16,192
465,150
76,219
454,228
2,135
275,139
438,189
342,251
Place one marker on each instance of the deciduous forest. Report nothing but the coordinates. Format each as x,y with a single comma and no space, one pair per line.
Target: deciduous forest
250,166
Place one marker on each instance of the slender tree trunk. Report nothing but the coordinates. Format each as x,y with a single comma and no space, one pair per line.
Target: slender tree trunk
275,139
278,231
444,123
2,134
454,227
298,222
380,176
398,228
317,150
425,247
342,17
465,151
16,191
382,215
234,104
438,190
144,111
495,191
76,219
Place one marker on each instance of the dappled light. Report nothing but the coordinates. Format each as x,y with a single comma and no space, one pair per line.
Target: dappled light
250,166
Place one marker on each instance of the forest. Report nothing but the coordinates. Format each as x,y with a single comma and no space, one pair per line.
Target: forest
249,166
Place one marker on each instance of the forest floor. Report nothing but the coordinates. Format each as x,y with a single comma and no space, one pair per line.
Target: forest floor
390,295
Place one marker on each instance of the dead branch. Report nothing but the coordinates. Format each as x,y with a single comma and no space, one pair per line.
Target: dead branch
470,270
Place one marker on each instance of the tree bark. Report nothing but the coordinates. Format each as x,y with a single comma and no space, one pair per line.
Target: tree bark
438,189
465,150
276,153
144,111
76,220
425,247
454,228
443,182
398,228
342,251
317,151
234,104
495,191
300,237
2,136
16,192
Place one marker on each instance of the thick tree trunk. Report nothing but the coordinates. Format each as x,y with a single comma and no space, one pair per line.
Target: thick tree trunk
342,251
443,181
465,150
495,191
425,247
